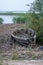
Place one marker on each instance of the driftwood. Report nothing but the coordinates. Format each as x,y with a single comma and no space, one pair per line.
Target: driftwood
24,36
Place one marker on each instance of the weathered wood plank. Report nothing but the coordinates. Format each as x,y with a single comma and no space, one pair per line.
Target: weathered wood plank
21,36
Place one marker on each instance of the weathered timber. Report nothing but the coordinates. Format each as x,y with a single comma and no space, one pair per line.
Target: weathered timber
24,36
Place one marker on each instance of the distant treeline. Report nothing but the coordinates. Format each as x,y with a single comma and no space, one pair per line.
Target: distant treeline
18,14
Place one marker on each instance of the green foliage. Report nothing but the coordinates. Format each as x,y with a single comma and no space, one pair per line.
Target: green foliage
15,57
36,19
14,20
37,6
36,23
1,20
19,20
33,57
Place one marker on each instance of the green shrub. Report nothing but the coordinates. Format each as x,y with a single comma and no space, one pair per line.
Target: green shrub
36,23
19,20
1,20
33,57
14,57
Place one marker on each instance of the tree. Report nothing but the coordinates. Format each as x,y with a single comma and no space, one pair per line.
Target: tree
38,6
36,19
1,20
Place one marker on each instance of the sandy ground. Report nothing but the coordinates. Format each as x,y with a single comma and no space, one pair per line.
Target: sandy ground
23,62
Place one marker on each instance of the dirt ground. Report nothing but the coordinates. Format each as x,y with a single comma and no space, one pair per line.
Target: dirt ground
27,53
23,62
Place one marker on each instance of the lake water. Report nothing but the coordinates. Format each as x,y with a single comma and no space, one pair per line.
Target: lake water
7,19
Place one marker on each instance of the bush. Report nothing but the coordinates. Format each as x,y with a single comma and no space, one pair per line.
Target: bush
1,20
36,23
15,56
19,20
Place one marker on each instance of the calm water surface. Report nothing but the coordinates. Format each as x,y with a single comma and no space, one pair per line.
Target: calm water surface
7,19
